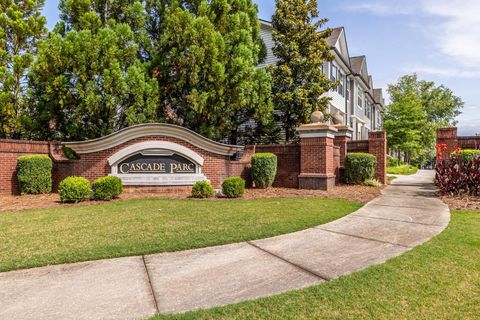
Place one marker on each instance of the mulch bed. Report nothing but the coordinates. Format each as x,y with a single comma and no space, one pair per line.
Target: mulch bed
462,203
347,192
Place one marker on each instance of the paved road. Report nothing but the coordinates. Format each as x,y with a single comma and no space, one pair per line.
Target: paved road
406,215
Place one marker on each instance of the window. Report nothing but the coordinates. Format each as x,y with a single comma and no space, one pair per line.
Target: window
333,72
341,86
360,97
368,110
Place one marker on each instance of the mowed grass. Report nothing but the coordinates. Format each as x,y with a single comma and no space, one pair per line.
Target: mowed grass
80,233
402,170
438,280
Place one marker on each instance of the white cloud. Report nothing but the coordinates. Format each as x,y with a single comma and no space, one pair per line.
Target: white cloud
444,72
452,25
383,8
458,33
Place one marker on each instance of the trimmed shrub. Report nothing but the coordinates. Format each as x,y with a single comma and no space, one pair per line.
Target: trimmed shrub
372,183
233,187
202,190
359,167
467,154
107,188
74,189
264,169
34,174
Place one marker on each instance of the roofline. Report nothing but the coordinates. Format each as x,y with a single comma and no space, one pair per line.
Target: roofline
265,22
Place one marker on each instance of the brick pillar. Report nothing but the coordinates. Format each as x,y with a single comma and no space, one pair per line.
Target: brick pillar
342,137
377,145
317,164
447,136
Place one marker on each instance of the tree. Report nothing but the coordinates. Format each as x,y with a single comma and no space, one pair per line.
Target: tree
425,108
298,79
88,79
205,61
21,26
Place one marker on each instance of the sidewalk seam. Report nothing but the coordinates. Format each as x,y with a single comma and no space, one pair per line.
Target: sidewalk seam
393,206
321,277
364,238
150,284
394,220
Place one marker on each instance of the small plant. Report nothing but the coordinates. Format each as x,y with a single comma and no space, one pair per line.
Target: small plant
34,174
393,162
70,153
264,169
107,188
372,183
74,189
202,190
359,167
233,187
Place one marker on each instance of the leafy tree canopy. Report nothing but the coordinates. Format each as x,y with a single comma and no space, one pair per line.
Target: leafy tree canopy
205,62
21,26
298,79
417,110
88,80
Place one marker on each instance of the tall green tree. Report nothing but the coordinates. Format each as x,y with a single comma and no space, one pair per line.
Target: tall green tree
21,26
301,49
425,108
205,59
88,79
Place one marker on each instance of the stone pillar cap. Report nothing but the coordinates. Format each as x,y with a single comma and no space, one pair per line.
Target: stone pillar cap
317,130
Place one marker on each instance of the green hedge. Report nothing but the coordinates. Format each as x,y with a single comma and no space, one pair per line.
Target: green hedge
74,189
264,169
202,190
233,187
34,174
107,188
359,167
467,154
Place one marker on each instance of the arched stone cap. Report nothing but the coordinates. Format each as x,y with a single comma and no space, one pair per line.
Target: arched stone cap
155,145
152,129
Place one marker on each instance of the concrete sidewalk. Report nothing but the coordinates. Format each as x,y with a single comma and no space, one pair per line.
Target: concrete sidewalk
406,215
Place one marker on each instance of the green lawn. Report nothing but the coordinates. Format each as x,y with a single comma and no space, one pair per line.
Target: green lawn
438,280
71,234
403,170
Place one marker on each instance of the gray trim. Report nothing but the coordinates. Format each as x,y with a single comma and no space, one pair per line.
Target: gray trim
152,129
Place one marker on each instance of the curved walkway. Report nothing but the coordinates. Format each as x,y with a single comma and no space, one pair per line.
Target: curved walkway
406,215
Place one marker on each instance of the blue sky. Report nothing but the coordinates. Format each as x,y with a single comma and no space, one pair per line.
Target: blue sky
438,39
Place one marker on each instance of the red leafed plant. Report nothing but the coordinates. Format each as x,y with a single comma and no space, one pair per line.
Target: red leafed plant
458,176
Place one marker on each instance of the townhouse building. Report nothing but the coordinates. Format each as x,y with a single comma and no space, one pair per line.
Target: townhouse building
355,102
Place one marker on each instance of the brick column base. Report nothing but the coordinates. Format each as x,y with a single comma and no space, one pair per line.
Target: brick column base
317,157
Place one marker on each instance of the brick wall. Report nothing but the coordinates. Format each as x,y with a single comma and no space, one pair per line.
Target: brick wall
469,142
312,158
357,146
377,146
288,157
10,150
450,138
94,165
